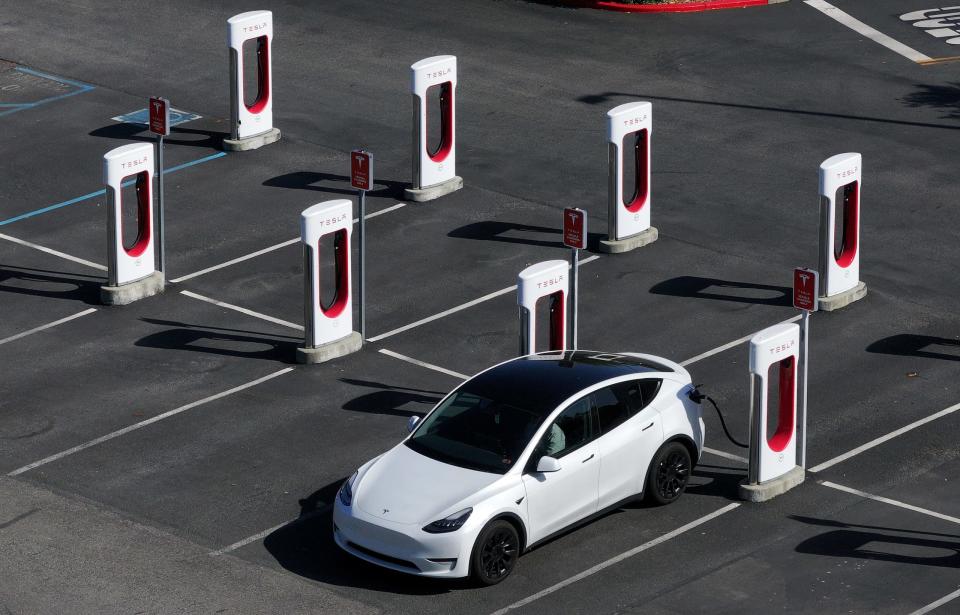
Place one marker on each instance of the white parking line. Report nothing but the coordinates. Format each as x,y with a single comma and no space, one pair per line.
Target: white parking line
879,498
882,439
728,346
150,421
861,28
266,532
278,246
436,368
619,558
462,306
939,603
242,310
53,252
47,326
725,455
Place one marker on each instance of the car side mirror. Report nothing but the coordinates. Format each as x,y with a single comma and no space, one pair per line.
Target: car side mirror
548,464
412,423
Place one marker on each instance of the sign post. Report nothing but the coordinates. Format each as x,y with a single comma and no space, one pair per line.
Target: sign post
575,238
361,178
160,126
805,292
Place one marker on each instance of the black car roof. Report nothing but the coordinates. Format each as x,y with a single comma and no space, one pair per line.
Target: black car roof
541,382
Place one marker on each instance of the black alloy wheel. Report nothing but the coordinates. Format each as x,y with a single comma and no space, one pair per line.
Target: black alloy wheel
669,473
495,552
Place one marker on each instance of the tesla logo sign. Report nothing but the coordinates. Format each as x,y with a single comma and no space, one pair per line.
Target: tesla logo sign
575,228
361,169
159,116
805,289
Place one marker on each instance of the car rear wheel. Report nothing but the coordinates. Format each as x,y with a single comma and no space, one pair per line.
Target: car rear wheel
495,553
669,473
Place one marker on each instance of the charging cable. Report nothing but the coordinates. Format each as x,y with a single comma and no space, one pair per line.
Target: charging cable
698,397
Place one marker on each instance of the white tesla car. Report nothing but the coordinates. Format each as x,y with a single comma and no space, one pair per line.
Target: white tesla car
517,454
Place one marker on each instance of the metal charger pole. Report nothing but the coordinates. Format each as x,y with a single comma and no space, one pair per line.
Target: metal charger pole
574,281
805,361
363,271
160,226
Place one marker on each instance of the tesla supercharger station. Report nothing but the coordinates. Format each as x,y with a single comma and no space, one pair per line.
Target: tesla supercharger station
434,166
629,131
546,281
131,268
840,185
774,378
328,330
251,124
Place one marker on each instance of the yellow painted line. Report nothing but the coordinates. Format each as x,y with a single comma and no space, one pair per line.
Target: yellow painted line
932,61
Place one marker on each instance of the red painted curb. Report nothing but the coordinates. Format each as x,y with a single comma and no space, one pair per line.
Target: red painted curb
686,7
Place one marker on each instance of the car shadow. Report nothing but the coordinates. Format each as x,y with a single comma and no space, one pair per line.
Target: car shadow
722,484
50,284
910,345
306,548
220,341
195,137
725,290
507,232
850,541
321,182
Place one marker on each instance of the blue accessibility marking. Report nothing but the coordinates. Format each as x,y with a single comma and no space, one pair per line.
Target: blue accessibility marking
9,108
103,191
142,116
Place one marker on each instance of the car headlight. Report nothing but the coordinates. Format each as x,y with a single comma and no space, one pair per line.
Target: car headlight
346,491
449,524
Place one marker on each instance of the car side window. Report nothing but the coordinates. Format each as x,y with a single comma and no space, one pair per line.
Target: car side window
637,394
568,432
612,409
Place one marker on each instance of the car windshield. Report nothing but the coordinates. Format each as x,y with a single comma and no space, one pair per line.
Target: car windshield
473,431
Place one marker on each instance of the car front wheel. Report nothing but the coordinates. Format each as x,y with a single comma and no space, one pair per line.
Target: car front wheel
495,553
669,473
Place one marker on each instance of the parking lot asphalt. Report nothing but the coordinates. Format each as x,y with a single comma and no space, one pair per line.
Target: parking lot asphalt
171,456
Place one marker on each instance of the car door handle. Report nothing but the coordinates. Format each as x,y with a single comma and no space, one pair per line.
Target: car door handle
588,458
647,427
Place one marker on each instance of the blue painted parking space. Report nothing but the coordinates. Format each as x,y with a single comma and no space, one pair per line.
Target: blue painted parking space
142,116
23,88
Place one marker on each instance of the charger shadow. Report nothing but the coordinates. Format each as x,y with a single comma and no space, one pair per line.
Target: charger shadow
51,285
221,342
306,548
334,184
390,400
195,137
515,232
848,544
910,345
741,292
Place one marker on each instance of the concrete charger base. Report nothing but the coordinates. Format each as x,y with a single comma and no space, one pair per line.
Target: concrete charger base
327,352
419,195
616,246
132,291
840,300
772,488
254,142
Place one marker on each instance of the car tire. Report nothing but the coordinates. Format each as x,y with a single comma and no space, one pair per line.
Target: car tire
494,553
668,474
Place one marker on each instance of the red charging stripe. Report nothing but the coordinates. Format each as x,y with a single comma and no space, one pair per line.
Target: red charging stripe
263,76
446,123
786,414
851,225
341,273
641,148
143,215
